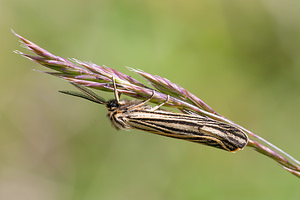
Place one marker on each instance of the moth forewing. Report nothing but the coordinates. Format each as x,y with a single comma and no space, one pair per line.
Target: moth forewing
192,128
225,131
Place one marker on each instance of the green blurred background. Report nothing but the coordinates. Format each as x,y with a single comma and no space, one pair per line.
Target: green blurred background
240,57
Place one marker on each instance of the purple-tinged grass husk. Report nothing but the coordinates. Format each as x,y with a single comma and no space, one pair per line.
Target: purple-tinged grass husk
100,78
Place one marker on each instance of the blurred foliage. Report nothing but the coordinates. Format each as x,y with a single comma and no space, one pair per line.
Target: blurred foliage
240,57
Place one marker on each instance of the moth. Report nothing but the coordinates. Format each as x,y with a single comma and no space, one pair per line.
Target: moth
134,114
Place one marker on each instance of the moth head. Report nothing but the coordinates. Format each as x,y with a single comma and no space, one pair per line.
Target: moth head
112,105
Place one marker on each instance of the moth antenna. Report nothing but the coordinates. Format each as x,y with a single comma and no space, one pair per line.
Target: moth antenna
88,94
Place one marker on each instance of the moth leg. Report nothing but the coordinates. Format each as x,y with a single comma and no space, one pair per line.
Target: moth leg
143,102
160,105
117,95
